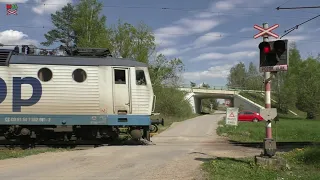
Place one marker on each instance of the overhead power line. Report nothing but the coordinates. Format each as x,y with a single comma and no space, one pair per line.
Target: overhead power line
297,26
284,3
303,7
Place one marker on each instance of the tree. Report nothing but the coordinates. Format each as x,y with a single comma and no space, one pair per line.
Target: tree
193,84
237,76
90,26
206,103
164,71
288,81
254,79
63,31
308,98
164,74
204,85
132,42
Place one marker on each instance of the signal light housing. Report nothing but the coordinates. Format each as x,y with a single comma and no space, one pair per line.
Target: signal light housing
273,56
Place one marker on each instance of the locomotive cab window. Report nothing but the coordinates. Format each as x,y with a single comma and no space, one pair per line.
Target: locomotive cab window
79,75
140,77
45,74
119,76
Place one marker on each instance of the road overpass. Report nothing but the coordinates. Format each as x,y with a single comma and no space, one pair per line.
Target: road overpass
195,95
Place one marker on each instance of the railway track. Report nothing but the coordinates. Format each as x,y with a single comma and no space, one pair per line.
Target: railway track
45,145
280,145
75,145
81,145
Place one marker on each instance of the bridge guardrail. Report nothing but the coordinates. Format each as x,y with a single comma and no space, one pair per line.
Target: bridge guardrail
223,88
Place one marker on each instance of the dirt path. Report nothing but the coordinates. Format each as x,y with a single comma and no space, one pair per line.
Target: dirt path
177,155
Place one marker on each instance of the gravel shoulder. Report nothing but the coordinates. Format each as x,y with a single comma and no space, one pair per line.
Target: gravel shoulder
178,154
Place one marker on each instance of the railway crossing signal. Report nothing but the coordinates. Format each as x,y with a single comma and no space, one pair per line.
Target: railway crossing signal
274,56
266,31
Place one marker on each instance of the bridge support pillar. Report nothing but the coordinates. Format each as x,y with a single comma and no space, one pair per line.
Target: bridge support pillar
194,102
197,104
190,97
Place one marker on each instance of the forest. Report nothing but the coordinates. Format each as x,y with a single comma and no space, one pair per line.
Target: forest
84,25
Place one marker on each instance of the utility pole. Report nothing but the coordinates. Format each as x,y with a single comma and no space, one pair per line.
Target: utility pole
267,94
273,58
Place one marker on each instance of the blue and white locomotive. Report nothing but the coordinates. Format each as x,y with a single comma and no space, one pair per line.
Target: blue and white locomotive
86,95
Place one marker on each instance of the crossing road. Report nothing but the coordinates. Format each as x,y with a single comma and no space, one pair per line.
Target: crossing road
178,154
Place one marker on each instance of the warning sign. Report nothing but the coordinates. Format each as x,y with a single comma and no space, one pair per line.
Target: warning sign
232,116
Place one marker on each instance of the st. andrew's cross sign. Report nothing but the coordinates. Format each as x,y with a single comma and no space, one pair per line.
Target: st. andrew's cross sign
266,31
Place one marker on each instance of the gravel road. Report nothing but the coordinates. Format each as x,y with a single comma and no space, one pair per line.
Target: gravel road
178,153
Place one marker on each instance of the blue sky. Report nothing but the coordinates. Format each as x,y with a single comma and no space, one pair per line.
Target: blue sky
210,36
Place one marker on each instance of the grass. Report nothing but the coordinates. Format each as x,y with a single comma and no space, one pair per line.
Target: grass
303,163
6,154
285,130
259,99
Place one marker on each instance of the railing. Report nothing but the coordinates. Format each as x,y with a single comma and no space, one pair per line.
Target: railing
227,88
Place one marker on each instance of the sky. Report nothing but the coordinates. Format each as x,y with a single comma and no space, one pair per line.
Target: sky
209,36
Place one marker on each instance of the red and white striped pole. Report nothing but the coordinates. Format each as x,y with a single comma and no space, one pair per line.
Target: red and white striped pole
267,93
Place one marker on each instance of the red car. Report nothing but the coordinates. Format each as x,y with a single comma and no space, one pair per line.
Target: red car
249,116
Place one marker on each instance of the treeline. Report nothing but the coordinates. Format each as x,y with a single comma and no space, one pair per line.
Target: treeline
84,25
241,77
298,88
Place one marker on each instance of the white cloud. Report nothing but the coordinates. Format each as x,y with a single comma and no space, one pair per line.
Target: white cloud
197,25
201,42
51,7
13,1
206,14
170,30
168,36
227,5
168,51
296,38
231,56
248,44
208,38
185,27
213,72
165,36
11,37
164,40
246,29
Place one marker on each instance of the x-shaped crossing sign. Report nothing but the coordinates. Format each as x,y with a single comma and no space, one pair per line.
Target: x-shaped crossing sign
266,31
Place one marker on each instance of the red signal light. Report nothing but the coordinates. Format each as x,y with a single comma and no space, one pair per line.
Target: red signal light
265,47
266,50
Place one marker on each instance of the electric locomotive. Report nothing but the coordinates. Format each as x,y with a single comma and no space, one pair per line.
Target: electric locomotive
86,94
